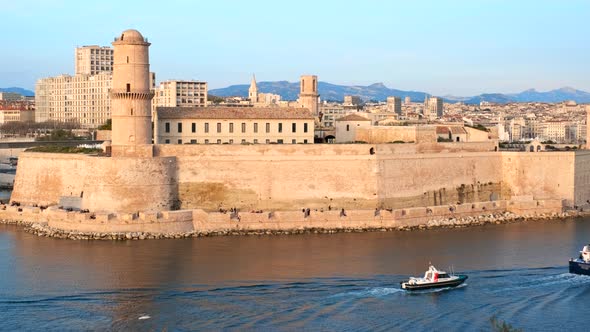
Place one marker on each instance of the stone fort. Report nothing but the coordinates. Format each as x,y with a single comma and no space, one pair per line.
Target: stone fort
141,177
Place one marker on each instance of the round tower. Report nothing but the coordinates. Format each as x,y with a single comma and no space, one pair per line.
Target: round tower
131,96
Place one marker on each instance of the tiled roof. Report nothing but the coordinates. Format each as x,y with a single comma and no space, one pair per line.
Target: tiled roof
353,117
233,113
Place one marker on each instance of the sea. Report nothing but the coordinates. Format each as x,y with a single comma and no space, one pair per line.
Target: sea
518,276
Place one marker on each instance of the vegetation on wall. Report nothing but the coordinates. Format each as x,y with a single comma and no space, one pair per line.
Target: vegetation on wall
64,149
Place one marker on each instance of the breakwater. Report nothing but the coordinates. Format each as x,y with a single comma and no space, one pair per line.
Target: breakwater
55,222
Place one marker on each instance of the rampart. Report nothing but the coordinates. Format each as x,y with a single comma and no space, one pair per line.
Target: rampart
199,221
125,192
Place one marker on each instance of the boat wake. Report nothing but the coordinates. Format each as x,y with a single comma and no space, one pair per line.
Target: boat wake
563,278
371,292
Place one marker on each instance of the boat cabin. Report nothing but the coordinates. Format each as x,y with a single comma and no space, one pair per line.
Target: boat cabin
585,253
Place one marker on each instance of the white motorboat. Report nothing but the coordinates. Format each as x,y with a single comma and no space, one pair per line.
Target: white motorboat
433,278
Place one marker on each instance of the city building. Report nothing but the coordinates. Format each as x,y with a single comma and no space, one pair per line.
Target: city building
91,60
394,105
13,111
435,105
234,125
352,100
174,93
407,100
261,99
346,127
10,96
80,98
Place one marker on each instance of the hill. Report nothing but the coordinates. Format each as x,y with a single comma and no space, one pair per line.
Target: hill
22,91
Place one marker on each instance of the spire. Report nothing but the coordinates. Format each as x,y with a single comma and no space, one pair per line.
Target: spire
253,90
253,83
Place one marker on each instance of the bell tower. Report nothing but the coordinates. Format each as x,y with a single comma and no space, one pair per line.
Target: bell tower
308,93
131,96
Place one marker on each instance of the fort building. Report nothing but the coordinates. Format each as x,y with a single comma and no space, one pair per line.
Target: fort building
233,125
146,183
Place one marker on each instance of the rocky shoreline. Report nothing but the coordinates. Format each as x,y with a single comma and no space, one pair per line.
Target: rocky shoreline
41,229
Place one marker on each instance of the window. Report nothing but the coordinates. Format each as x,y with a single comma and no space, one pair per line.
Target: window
231,127
305,127
193,141
304,141
268,127
347,127
179,141
218,141
207,128
280,127
128,87
243,127
267,141
231,141
293,127
279,141
180,127
255,141
206,141
218,127
194,127
167,141
256,127
293,141
243,141
167,127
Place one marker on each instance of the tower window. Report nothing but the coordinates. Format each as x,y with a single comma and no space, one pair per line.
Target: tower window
243,127
180,127
194,127
218,127
231,127
167,127
280,127
128,87
294,127
305,127
268,127
255,127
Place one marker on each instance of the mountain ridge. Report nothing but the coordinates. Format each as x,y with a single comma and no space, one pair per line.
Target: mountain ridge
379,92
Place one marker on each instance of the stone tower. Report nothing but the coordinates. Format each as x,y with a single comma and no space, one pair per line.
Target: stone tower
587,127
253,91
308,94
131,96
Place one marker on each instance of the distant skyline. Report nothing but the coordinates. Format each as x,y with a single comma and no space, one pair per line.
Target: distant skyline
457,48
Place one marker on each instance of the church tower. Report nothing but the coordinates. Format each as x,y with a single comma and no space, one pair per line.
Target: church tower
131,96
253,91
308,94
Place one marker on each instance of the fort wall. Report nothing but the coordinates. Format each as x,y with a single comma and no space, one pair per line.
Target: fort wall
293,177
102,183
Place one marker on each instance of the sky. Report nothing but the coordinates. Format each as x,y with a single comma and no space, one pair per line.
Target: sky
451,47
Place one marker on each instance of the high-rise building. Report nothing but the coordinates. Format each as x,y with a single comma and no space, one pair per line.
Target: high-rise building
131,96
308,93
435,105
91,60
394,104
174,93
80,98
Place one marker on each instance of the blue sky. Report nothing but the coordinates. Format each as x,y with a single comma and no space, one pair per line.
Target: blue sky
441,47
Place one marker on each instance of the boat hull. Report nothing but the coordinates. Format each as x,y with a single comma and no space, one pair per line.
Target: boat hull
579,267
442,284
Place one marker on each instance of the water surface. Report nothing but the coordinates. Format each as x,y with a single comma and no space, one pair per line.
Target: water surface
517,272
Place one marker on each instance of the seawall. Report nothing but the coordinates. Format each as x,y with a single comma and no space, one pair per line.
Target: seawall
198,222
